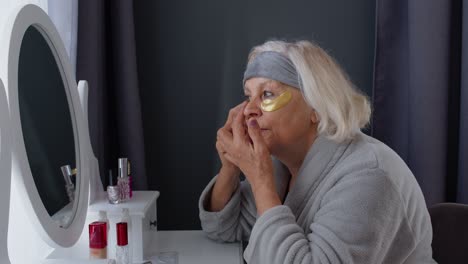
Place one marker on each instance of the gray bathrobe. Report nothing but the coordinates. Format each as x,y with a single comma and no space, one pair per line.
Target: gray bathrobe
352,202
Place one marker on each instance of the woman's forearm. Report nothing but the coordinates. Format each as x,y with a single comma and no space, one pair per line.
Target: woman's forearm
266,196
225,185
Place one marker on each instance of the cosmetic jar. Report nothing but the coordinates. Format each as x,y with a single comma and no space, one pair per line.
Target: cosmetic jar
98,240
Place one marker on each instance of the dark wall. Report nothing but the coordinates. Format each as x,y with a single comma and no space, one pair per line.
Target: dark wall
191,56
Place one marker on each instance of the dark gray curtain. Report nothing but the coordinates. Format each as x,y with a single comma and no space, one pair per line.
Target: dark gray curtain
421,91
106,58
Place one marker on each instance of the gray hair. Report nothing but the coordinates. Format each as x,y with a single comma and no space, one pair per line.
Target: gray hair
341,108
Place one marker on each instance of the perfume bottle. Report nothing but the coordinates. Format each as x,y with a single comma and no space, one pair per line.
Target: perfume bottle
69,186
123,180
113,191
129,179
122,251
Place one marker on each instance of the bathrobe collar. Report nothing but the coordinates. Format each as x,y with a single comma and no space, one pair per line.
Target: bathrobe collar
319,160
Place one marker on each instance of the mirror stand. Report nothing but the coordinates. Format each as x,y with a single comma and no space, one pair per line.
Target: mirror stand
5,171
96,189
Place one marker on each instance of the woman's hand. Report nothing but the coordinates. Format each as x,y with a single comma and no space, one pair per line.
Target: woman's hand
246,149
228,177
228,166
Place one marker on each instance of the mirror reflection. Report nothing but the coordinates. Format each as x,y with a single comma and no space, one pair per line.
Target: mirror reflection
47,126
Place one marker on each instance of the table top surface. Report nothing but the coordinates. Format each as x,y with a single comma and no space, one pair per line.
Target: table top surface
194,247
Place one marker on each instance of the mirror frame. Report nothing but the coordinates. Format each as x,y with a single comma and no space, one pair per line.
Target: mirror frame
5,171
21,176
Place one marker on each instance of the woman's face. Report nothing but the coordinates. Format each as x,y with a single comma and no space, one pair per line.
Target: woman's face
294,124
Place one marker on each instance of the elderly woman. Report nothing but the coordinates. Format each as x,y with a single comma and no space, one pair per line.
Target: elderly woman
317,189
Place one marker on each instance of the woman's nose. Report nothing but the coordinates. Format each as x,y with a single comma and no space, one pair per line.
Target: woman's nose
252,109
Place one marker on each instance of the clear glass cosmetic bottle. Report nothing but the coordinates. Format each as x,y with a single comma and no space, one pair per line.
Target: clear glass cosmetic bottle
123,180
122,251
103,218
126,218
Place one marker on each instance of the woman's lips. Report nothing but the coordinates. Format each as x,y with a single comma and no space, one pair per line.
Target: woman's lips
247,122
254,119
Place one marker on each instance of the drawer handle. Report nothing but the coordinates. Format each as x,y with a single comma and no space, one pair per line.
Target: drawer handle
154,223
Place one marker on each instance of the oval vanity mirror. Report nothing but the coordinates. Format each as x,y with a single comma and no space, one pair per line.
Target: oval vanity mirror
47,127
50,159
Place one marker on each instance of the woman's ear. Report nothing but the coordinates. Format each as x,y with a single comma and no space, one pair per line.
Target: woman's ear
314,117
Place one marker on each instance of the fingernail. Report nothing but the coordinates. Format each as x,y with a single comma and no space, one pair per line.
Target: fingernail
253,123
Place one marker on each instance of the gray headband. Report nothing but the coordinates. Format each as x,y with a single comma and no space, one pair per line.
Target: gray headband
273,65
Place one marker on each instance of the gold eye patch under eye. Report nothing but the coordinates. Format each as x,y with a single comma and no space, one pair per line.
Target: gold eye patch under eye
270,105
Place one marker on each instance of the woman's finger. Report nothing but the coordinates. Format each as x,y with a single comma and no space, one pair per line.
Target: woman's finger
225,138
223,132
220,147
238,129
255,134
233,113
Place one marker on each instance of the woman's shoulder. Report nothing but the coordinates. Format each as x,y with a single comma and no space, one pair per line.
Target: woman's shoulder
371,152
368,155
385,157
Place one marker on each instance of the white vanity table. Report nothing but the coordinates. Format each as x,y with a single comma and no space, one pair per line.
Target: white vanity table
191,247
44,230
